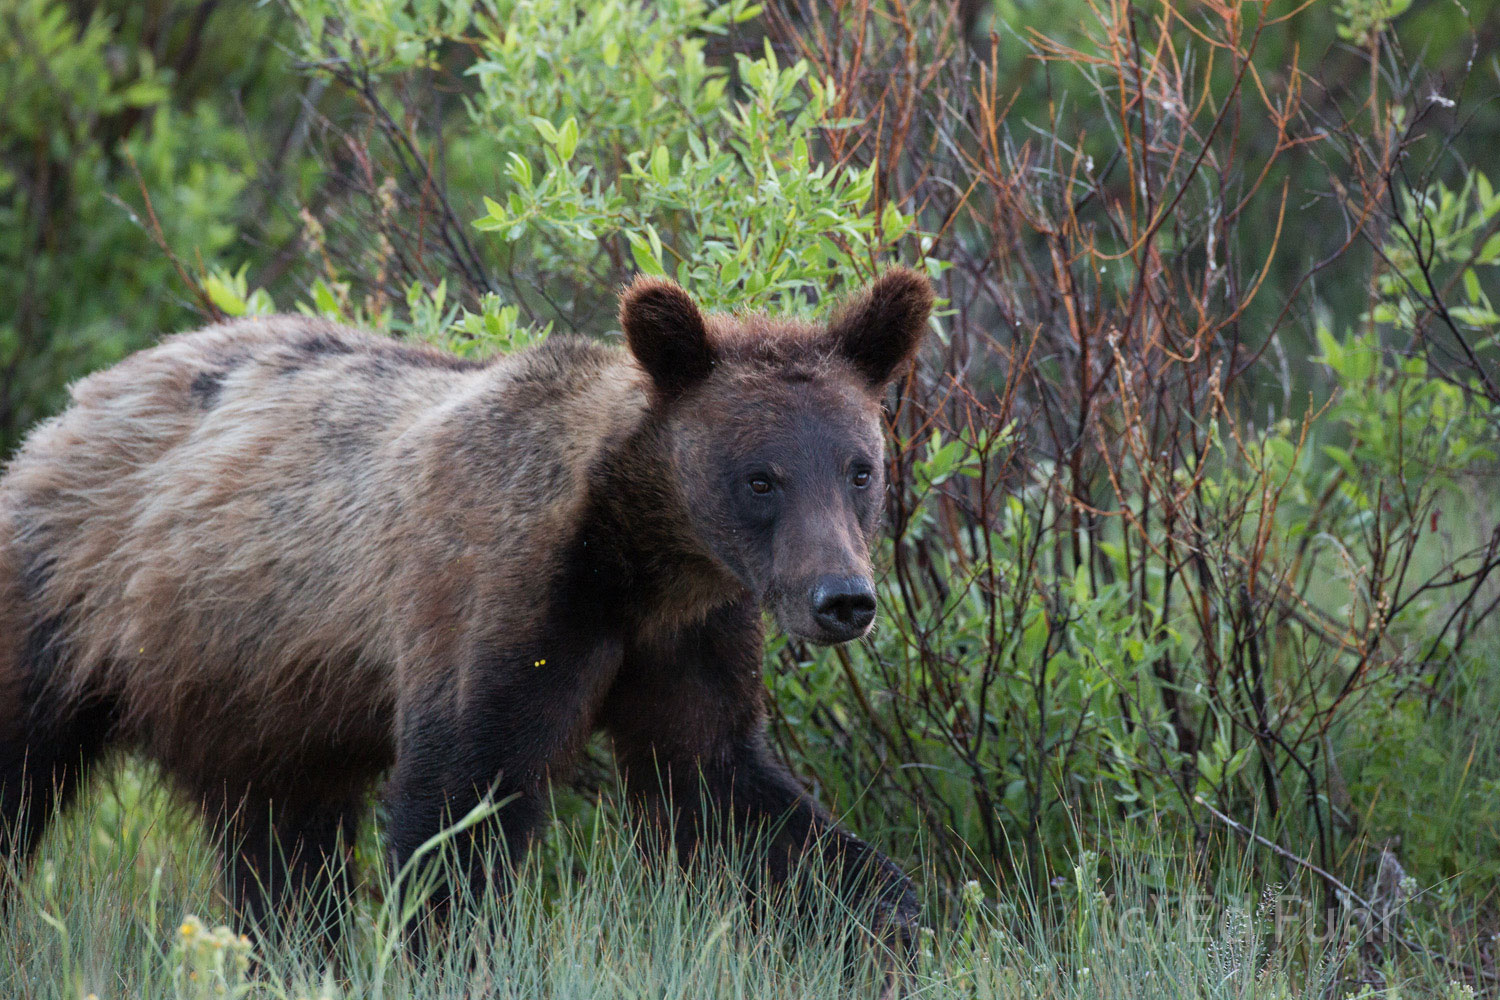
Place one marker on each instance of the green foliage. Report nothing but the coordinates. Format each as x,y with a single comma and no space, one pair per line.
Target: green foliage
1363,21
90,117
1023,706
231,294
1397,419
1093,642
618,142
125,904
1446,242
744,217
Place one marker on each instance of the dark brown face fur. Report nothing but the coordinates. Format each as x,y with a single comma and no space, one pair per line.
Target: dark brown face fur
776,439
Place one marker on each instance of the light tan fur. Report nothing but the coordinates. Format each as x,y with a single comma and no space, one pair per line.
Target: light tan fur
273,563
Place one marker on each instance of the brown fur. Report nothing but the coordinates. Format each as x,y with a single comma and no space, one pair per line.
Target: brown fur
276,550
12,626
278,567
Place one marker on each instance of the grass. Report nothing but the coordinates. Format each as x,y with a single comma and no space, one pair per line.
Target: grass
124,901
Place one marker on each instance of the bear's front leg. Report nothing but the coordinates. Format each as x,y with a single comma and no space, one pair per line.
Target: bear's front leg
688,721
435,784
750,791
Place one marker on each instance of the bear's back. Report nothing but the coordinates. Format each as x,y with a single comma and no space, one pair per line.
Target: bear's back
280,508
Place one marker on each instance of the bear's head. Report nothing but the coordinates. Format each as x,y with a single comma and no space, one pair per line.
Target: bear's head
774,434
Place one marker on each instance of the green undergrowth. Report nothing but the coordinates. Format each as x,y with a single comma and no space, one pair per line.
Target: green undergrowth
124,900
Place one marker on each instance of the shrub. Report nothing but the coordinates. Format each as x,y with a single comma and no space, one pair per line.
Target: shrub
1151,572
1110,586
119,137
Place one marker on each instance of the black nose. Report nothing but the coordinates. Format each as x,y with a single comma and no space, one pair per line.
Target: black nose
844,606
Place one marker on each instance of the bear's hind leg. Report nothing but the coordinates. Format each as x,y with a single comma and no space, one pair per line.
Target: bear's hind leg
49,738
289,862
48,744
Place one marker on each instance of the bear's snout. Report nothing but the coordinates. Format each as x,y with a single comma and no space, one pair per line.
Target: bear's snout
842,606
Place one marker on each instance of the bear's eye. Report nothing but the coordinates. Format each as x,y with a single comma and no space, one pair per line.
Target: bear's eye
862,478
760,485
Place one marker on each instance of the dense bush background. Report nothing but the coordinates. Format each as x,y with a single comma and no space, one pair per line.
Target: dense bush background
1195,537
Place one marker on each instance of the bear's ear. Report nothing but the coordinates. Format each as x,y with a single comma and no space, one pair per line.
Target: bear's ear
880,328
666,333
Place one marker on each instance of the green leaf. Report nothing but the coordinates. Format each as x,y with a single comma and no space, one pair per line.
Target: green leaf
546,128
519,169
229,301
1490,254
729,273
1471,286
145,93
1478,317
567,140
893,224
1342,457
645,259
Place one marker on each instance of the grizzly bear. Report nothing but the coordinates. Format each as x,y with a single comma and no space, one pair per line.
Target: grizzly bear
281,558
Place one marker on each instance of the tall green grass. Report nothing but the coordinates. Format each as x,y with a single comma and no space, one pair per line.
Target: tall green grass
124,901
